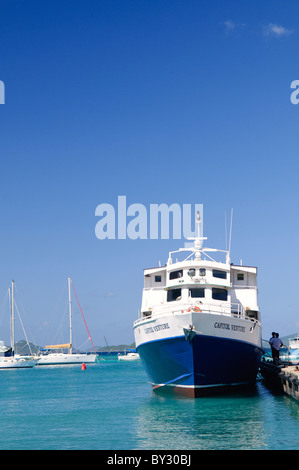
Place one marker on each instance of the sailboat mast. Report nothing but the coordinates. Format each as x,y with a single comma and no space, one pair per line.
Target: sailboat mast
9,297
70,315
12,317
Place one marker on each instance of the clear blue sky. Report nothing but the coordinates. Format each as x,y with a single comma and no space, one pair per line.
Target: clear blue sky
162,101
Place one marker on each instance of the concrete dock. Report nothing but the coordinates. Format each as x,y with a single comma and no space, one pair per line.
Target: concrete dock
289,377
285,376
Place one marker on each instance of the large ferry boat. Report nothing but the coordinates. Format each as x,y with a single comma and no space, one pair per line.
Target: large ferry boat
199,329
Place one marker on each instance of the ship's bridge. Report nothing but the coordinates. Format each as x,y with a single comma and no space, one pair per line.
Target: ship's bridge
195,273
200,278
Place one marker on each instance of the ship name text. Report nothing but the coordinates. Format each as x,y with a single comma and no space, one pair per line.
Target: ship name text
152,329
228,326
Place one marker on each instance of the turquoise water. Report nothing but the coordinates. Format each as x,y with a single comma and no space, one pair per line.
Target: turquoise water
111,406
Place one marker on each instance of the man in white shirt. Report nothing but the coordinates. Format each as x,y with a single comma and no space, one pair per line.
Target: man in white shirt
276,344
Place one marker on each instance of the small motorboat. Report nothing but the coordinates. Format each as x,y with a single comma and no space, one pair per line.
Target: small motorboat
129,356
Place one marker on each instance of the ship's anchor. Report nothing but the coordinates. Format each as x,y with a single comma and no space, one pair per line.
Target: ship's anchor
189,333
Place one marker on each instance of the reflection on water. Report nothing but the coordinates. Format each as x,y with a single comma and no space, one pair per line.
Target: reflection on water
238,421
111,406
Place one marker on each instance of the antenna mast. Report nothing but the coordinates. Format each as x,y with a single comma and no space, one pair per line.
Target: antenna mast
230,233
198,240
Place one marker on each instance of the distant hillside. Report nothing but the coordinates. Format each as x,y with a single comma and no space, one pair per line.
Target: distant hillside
21,347
119,347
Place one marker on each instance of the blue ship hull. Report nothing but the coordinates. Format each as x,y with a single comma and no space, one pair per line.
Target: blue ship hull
197,367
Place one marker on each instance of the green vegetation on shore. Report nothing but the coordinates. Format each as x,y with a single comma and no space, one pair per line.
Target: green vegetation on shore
21,347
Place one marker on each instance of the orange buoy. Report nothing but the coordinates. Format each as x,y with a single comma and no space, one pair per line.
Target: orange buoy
83,367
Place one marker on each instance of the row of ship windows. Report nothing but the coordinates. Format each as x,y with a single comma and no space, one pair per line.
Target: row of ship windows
217,294
202,272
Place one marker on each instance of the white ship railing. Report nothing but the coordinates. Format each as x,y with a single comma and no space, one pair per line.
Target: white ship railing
234,310
196,283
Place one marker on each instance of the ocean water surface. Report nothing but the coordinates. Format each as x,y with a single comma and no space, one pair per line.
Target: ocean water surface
111,406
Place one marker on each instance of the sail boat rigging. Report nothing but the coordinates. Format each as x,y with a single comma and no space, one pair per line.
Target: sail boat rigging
8,359
70,357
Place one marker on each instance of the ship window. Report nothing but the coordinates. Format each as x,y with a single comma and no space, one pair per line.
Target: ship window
176,274
191,272
219,294
173,294
202,271
158,278
240,277
197,292
218,273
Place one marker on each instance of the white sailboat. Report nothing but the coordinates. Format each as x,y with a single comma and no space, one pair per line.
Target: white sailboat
130,356
64,358
8,359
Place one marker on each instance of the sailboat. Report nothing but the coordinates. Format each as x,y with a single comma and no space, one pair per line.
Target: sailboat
64,358
129,355
8,359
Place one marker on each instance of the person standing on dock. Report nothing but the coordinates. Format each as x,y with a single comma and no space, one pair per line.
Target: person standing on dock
273,336
276,344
